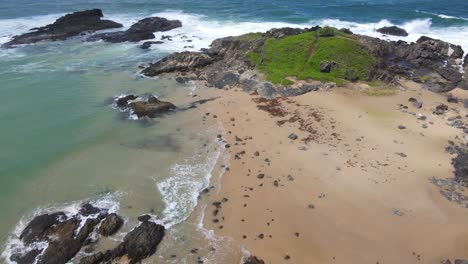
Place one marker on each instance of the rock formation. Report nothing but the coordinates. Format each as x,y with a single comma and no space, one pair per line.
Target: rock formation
65,27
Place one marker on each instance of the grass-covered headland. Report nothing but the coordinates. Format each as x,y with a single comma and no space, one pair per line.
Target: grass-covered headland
300,56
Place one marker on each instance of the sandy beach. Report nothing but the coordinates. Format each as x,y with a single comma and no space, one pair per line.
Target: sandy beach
355,186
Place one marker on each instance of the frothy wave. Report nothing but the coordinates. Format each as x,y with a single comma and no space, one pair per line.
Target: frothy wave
188,178
14,245
416,28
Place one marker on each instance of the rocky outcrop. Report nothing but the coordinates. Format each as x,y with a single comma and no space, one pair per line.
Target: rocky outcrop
393,30
65,27
179,62
141,30
435,63
110,225
142,106
62,235
137,245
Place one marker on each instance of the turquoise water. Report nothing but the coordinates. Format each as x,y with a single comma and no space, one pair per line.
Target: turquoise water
61,142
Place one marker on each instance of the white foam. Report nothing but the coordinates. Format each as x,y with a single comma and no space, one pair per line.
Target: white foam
14,245
416,28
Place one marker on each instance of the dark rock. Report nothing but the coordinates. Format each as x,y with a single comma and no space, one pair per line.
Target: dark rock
144,218
28,258
460,261
460,164
178,62
65,27
138,244
151,108
253,260
123,101
182,80
326,66
88,209
36,229
147,44
415,102
401,127
292,136
393,30
452,99
141,30
110,225
224,79
440,109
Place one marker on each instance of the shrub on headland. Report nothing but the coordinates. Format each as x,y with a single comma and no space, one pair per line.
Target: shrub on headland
327,32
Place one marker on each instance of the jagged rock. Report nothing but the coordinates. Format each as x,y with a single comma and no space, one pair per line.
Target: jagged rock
37,228
178,62
65,235
138,244
151,108
393,30
123,101
110,225
141,30
253,260
65,27
147,44
431,61
225,79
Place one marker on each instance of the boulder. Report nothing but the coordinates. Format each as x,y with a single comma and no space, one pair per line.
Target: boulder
393,30
64,235
179,62
65,27
122,102
137,245
151,108
147,44
110,225
141,30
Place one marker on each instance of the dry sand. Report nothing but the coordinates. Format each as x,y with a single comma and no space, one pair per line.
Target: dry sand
352,188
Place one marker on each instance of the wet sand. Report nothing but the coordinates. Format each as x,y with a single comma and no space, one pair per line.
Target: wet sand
354,187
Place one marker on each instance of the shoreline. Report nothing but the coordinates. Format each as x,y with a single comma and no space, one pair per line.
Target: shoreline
308,214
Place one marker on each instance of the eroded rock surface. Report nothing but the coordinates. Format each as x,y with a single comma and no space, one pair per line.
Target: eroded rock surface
65,27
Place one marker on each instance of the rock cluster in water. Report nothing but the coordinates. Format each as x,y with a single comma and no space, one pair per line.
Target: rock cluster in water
87,21
140,106
57,237
65,27
141,30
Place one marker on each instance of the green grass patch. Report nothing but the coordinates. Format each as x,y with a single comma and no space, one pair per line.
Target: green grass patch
300,56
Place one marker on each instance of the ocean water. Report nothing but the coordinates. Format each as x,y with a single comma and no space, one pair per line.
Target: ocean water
61,142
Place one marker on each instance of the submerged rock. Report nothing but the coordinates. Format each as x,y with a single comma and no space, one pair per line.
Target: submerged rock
151,108
65,27
141,30
394,31
62,235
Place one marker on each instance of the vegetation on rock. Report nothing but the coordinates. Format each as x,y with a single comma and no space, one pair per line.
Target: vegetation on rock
300,56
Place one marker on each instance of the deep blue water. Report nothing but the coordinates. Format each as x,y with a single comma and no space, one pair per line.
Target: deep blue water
297,11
